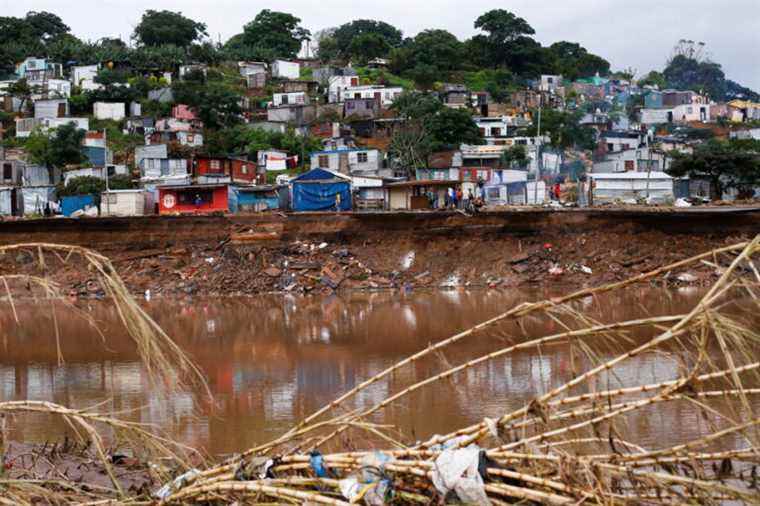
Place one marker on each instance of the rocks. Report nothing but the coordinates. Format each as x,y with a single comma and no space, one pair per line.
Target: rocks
272,272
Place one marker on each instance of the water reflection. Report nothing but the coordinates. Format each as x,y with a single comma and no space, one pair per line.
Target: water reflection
272,360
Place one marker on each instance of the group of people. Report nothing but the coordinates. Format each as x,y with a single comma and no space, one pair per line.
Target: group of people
456,199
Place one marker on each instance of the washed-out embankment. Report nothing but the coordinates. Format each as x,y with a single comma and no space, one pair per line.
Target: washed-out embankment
256,253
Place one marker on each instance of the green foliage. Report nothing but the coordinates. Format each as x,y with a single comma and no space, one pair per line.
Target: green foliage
242,140
438,49
368,46
216,103
380,76
726,164
499,82
121,182
685,73
573,61
378,35
429,127
516,156
82,185
654,78
507,36
270,35
159,28
60,147
564,129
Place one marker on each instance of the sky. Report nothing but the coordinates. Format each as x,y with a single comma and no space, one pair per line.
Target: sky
637,34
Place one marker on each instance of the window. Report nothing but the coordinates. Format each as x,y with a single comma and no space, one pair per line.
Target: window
610,146
629,165
284,100
244,169
324,162
361,157
215,166
188,198
7,171
113,199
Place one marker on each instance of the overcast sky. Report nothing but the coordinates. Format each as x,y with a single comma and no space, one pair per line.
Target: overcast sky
638,34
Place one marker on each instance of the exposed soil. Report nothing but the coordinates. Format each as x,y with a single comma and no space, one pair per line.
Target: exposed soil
328,253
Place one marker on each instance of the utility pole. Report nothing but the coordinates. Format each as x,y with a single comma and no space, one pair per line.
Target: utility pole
105,168
538,152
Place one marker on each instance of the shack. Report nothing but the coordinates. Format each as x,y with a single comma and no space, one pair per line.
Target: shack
259,198
36,198
73,203
126,203
9,201
632,187
425,194
193,199
317,190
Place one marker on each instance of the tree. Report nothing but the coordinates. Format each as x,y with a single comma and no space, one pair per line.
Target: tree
424,76
158,28
654,78
347,33
504,31
564,129
516,156
216,103
573,61
686,73
58,148
326,45
428,127
270,35
368,46
82,185
726,164
438,49
46,26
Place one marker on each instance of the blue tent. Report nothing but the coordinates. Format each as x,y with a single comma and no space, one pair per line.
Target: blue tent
316,190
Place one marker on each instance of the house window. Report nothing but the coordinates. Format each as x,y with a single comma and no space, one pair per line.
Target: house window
7,171
284,100
629,165
361,157
244,169
215,166
205,197
610,146
324,162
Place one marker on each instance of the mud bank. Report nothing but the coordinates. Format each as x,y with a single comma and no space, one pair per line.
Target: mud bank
250,254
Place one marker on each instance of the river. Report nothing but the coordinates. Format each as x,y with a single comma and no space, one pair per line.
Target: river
270,360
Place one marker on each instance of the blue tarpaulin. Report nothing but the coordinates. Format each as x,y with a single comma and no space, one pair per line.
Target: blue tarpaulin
261,198
75,203
316,190
96,155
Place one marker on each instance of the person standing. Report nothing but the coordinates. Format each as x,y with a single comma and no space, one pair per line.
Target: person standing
337,202
558,192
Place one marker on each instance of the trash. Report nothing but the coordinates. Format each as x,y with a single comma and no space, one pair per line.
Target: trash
317,464
258,468
457,470
408,260
520,258
682,203
687,277
322,246
556,270
350,488
147,295
209,260
179,482
586,270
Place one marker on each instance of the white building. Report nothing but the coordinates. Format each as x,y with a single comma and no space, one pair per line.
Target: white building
385,95
53,108
550,83
110,110
632,187
25,126
354,162
337,85
84,77
300,98
286,69
136,202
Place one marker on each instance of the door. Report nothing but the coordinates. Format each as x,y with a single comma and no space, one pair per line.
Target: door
343,163
61,110
14,203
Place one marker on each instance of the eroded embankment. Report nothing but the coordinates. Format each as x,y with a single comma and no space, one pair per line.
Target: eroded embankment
250,254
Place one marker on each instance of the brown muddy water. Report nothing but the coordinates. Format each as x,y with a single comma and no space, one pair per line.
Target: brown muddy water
271,360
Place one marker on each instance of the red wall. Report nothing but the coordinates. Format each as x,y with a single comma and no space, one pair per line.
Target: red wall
170,201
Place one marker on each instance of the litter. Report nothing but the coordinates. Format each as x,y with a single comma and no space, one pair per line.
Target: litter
682,203
317,464
687,277
457,470
586,270
179,482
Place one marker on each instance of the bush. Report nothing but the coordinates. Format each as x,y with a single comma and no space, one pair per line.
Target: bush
83,185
